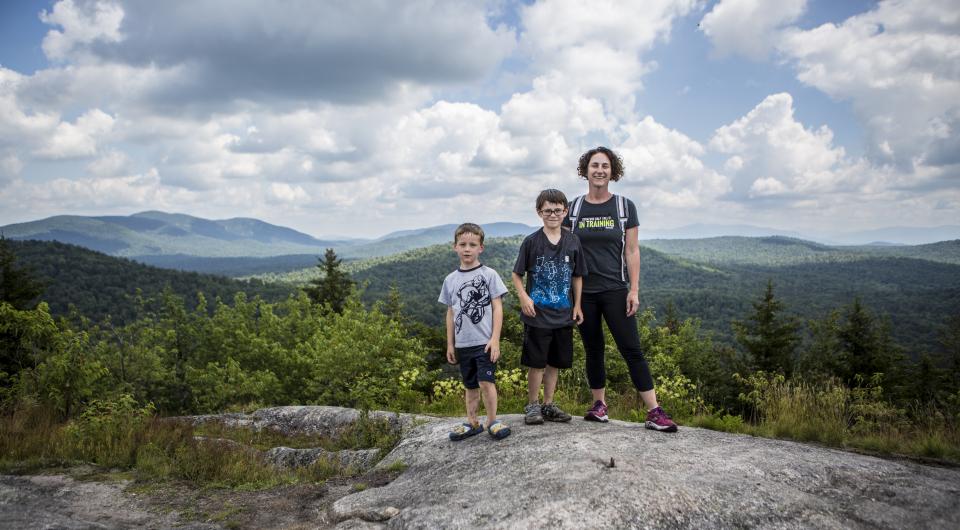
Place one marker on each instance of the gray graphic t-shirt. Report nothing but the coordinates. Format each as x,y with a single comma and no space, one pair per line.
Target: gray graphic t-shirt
470,293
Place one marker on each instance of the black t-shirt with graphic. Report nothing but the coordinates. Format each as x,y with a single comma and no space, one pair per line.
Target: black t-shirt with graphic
549,270
598,227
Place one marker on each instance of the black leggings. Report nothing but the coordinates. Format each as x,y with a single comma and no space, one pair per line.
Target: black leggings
612,306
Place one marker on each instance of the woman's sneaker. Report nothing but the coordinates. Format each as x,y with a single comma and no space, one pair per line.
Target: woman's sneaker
552,412
598,412
532,415
659,420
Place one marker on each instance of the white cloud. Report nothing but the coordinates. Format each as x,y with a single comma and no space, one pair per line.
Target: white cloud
227,50
596,52
283,193
111,164
10,166
665,166
74,140
141,190
773,153
81,24
749,27
897,64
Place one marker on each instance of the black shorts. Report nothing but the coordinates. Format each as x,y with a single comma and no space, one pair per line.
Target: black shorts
547,346
475,366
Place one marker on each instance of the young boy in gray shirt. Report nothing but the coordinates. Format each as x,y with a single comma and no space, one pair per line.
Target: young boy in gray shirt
472,294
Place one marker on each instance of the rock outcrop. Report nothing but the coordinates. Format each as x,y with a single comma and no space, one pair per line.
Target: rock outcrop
620,475
573,475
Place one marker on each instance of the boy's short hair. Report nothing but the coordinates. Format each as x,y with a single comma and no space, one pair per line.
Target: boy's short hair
616,163
551,195
468,228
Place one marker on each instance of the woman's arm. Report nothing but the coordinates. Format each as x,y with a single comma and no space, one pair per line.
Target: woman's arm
632,254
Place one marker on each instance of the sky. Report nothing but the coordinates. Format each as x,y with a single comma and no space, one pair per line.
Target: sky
358,118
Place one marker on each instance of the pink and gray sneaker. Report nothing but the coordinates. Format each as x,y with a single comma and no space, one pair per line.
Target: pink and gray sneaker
659,420
598,412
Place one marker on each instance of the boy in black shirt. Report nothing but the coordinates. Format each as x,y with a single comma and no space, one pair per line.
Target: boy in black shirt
549,305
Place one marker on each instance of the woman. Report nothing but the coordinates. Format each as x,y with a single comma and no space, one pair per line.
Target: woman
607,227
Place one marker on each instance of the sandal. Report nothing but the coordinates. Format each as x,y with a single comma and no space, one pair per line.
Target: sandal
465,430
498,430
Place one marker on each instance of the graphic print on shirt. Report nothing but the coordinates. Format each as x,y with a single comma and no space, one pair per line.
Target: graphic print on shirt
474,297
593,224
551,282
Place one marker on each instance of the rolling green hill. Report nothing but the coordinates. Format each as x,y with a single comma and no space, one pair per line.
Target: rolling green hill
918,295
99,285
784,251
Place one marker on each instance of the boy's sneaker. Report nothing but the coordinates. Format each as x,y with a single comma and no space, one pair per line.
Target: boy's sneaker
659,420
552,412
532,415
598,412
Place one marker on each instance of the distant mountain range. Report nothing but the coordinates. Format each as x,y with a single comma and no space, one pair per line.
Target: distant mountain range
892,235
165,239
244,246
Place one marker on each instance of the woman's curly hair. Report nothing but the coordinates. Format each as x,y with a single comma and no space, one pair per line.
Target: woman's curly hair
616,164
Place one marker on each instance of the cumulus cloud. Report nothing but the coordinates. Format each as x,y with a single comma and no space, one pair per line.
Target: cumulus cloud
897,64
666,166
80,25
771,153
749,27
226,49
596,53
74,140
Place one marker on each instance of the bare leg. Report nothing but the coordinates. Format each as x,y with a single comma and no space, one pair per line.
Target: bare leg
534,377
489,392
599,394
550,376
473,405
649,399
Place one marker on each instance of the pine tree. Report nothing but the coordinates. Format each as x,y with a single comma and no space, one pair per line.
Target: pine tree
866,345
769,336
333,287
394,306
950,340
822,358
17,286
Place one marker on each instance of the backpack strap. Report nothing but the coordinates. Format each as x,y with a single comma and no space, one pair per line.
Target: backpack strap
575,212
622,216
622,212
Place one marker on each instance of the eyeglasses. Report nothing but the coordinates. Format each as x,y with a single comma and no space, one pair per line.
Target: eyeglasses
555,212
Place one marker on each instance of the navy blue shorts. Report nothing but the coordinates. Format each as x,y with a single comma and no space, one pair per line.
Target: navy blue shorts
475,366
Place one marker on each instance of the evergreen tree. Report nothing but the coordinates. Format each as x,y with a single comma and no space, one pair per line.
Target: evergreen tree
866,345
333,287
769,336
821,358
950,340
393,307
17,286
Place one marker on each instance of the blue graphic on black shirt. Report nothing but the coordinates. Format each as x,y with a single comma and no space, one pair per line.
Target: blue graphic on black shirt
551,282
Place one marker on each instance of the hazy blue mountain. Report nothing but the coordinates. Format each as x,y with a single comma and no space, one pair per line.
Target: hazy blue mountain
898,235
700,230
783,251
403,240
163,234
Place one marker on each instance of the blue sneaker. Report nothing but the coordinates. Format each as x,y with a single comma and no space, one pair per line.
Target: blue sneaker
465,430
498,430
